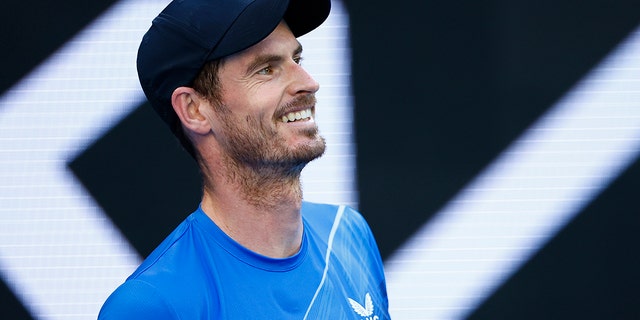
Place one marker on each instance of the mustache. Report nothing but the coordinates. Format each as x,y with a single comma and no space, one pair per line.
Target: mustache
299,102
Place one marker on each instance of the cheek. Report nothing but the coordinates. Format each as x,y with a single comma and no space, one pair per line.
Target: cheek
259,101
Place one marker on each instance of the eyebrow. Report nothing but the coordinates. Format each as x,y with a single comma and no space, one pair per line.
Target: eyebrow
267,58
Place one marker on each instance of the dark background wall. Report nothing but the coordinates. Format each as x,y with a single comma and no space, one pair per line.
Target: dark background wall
441,87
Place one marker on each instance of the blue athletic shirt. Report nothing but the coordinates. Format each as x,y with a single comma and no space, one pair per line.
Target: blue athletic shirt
198,272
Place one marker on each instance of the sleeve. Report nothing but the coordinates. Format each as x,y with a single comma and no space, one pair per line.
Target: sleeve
136,299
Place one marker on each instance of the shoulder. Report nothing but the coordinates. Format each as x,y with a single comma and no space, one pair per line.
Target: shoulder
136,299
169,280
329,211
330,215
326,211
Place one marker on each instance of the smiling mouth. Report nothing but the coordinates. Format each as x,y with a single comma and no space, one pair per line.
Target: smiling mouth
297,116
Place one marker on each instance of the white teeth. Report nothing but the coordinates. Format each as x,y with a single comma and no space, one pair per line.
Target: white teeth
293,116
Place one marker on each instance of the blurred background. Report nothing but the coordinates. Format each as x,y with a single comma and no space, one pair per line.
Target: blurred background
491,145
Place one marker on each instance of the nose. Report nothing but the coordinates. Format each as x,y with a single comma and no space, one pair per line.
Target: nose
302,81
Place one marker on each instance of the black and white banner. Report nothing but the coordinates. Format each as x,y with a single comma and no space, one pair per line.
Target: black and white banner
493,148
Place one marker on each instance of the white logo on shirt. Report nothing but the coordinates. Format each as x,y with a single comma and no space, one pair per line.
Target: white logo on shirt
365,311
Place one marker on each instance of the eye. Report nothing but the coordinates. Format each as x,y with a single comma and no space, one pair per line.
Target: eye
297,60
265,71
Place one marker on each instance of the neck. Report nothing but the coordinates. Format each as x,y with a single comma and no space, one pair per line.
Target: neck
260,209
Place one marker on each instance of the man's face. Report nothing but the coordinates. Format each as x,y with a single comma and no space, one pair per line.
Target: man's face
268,105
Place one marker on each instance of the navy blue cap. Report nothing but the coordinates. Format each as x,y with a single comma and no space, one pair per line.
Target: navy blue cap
189,33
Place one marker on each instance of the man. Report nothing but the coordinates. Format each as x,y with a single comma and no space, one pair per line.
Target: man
226,77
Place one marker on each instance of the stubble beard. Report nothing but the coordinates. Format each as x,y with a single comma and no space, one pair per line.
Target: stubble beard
259,161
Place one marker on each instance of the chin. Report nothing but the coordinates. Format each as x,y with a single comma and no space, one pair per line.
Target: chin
310,151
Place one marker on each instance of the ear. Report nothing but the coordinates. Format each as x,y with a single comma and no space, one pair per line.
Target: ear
188,104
